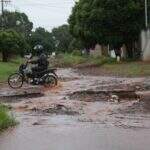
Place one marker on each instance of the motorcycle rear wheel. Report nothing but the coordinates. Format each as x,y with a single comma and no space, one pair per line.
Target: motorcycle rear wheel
50,81
15,80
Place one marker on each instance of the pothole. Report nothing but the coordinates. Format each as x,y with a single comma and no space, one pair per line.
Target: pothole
103,95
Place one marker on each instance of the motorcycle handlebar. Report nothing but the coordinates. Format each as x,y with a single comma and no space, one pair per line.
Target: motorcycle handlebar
27,62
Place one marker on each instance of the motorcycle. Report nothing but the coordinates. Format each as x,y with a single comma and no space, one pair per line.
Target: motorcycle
47,78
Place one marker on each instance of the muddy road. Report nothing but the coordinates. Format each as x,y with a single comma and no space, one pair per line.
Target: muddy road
83,112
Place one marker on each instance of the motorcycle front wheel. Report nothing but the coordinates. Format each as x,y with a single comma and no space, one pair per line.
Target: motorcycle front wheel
15,80
50,81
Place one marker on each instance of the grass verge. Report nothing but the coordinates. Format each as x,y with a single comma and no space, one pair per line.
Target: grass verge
130,69
8,68
70,60
103,65
123,69
6,120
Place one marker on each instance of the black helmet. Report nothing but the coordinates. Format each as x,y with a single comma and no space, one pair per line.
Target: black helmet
38,49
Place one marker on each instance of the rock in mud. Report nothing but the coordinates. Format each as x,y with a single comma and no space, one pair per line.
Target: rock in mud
114,98
60,109
36,124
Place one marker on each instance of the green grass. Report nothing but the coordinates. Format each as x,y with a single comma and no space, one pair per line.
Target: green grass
70,60
104,65
99,61
66,60
130,69
8,68
6,120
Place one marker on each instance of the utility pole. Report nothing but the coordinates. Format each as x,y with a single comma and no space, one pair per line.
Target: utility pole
2,12
146,14
2,3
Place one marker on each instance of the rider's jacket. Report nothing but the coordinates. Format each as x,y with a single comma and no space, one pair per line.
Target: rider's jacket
41,62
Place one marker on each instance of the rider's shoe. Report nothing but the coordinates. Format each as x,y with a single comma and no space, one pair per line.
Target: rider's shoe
33,82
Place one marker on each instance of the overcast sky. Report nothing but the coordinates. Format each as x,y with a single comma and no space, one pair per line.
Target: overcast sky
44,13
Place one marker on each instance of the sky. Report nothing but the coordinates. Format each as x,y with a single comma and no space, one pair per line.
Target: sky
44,13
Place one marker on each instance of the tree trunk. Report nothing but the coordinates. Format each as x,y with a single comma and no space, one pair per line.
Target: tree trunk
129,50
105,50
87,51
118,52
4,57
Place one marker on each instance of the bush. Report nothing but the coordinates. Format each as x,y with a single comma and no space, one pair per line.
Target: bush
77,52
11,43
69,60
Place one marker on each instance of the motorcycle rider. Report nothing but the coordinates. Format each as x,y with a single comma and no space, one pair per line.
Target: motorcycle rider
41,62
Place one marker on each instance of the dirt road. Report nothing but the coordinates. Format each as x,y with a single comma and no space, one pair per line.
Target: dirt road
83,112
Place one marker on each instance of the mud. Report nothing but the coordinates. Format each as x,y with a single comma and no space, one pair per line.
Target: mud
57,109
79,114
103,71
14,95
103,95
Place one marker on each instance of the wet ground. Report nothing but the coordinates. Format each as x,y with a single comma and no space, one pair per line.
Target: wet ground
82,112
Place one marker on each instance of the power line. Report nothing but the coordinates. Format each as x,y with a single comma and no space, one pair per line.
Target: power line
52,3
2,4
49,6
55,9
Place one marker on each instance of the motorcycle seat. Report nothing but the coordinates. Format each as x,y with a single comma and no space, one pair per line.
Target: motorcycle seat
51,70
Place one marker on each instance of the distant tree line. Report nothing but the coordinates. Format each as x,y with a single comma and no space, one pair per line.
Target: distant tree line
105,22
17,37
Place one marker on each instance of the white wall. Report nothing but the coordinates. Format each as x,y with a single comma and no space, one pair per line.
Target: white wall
145,43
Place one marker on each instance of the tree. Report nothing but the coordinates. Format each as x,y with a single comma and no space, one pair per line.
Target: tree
42,37
11,43
62,38
75,45
84,23
114,22
18,22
